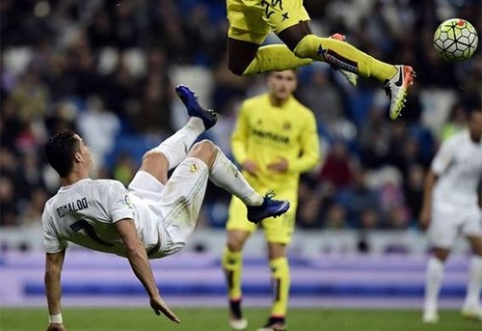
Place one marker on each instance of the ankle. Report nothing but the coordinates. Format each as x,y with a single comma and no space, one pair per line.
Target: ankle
235,308
276,320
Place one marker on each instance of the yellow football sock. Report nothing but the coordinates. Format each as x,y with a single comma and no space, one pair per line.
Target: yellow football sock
344,56
280,273
233,264
274,58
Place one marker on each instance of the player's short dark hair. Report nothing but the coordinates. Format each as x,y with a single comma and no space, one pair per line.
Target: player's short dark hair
60,150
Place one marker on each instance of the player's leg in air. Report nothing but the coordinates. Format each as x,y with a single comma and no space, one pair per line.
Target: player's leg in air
178,151
278,235
251,21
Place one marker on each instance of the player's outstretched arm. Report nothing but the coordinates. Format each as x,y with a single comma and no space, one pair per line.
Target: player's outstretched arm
137,256
53,289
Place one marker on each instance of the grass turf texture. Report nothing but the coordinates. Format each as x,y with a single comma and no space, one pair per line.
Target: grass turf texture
211,319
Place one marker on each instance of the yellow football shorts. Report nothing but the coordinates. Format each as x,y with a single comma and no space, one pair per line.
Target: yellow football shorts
276,230
252,20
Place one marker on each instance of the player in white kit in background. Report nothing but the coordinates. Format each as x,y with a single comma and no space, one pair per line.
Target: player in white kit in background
451,207
153,218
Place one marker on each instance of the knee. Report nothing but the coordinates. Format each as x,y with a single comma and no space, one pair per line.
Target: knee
276,250
154,158
205,146
441,254
205,150
155,163
235,244
236,240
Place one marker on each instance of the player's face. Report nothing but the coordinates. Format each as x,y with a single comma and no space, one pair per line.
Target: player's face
85,153
282,84
475,124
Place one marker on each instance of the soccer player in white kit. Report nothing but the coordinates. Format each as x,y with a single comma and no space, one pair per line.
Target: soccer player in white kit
451,207
151,219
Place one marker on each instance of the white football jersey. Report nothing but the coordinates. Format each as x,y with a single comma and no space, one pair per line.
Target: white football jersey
85,212
458,164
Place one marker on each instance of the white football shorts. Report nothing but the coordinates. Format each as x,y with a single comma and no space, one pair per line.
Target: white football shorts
177,204
449,221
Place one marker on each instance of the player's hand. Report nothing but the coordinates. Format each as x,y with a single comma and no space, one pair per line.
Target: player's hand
251,168
159,306
280,166
56,327
424,217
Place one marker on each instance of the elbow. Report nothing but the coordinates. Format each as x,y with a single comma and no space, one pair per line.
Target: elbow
133,249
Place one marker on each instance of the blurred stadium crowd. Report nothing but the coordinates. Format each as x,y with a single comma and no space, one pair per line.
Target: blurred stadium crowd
108,71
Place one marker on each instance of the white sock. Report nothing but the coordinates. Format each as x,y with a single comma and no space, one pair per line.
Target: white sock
475,282
433,281
176,147
226,175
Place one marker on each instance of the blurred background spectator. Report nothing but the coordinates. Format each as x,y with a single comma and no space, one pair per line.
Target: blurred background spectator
108,71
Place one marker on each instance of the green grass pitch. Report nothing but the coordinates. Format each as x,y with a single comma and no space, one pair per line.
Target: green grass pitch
213,319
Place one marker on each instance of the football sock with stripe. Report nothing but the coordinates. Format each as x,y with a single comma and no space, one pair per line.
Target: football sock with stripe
226,175
275,58
176,147
233,264
342,55
280,275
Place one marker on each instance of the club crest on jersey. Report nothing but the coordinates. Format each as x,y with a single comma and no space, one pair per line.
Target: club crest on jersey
194,168
286,126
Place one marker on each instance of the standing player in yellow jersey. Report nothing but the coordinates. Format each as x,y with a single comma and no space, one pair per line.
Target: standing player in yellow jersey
250,21
275,140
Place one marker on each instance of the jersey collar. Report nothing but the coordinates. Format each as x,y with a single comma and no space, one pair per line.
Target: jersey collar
69,187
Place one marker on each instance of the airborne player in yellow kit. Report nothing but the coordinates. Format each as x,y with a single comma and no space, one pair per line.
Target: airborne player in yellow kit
250,21
275,140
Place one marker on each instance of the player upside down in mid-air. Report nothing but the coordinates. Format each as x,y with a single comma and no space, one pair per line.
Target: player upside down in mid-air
250,21
153,218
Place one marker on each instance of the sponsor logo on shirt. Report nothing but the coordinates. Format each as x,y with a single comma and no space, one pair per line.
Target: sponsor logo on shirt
271,136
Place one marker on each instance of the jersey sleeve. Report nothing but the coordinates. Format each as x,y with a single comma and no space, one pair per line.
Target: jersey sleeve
240,135
444,157
51,241
119,206
310,147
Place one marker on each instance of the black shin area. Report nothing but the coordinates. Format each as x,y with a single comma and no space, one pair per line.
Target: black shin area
240,55
292,36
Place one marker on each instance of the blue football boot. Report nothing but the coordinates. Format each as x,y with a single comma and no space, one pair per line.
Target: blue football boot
269,208
189,99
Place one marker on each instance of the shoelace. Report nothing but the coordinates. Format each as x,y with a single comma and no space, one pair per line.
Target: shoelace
270,194
213,113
